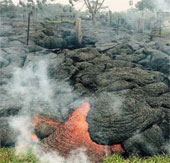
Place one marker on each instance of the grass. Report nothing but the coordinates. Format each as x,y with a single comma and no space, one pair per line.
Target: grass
154,159
7,155
164,32
60,21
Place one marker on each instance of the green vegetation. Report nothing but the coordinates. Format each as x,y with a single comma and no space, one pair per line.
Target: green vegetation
59,21
151,4
155,159
7,155
165,32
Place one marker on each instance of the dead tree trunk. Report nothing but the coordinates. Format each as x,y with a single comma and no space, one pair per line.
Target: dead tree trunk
93,18
78,31
118,25
140,25
110,17
28,27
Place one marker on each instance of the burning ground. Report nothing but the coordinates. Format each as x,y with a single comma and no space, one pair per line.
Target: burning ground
113,97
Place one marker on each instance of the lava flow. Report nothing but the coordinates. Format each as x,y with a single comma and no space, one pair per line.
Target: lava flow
35,138
74,134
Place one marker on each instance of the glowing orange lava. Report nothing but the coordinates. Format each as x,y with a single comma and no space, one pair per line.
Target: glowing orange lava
74,134
35,138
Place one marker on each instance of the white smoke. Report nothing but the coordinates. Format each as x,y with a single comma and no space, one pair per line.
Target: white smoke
24,128
162,5
116,105
25,143
76,156
36,93
31,84
112,101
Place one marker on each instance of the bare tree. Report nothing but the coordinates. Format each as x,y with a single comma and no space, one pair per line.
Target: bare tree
93,6
6,5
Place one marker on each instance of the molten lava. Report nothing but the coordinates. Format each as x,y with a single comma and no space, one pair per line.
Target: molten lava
74,134
35,138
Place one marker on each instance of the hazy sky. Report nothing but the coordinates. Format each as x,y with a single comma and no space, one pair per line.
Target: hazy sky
114,5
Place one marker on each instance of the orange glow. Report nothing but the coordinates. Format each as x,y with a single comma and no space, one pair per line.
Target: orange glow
117,148
38,120
74,134
35,138
77,121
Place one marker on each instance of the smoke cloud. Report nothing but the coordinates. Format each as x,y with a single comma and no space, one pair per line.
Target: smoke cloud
162,5
38,94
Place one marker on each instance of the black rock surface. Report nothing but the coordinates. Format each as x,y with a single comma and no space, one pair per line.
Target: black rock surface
125,78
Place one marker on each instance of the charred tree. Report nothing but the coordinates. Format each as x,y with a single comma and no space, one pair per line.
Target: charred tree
110,17
28,28
93,6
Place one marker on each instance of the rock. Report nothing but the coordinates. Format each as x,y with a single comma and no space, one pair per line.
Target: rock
124,96
118,118
156,60
43,130
5,30
164,47
125,78
89,40
150,142
104,47
7,135
50,42
121,49
156,89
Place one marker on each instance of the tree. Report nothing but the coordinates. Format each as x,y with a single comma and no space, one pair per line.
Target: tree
93,6
6,5
153,4
6,2
146,4
78,31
